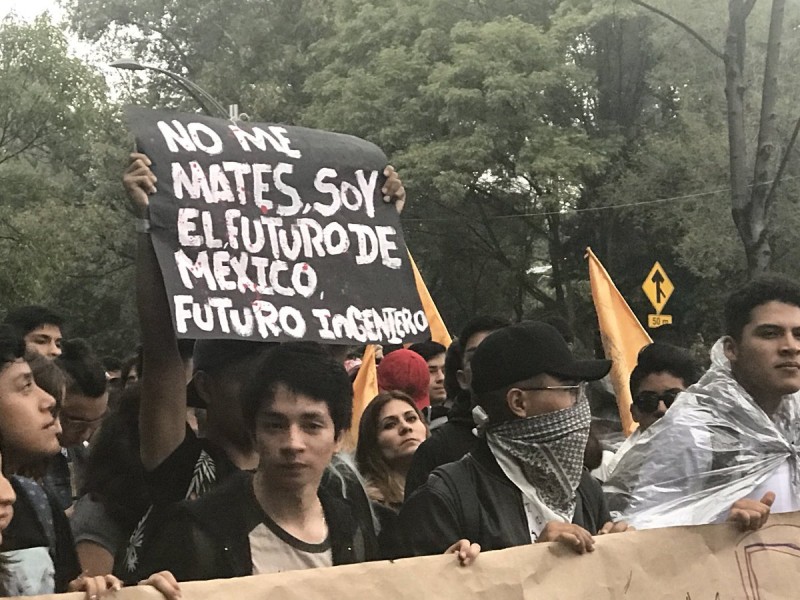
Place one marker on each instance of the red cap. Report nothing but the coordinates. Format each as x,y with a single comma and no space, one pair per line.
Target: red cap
405,371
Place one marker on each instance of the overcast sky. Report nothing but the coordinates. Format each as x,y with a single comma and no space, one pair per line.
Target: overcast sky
28,9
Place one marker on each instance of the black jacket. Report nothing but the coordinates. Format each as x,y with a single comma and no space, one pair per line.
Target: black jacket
447,443
473,499
207,538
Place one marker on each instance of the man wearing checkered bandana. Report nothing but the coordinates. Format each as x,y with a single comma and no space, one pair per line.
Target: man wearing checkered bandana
525,482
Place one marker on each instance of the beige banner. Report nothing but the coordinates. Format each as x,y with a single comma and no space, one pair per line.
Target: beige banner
712,562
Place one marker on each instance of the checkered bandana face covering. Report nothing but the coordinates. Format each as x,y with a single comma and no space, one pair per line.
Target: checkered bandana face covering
549,451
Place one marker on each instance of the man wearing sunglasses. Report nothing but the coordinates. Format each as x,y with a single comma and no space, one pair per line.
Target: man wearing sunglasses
727,449
525,481
662,372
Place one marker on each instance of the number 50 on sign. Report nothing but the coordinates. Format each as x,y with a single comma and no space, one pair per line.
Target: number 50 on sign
658,288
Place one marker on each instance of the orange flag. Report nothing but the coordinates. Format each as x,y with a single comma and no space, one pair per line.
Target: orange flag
438,330
623,336
365,388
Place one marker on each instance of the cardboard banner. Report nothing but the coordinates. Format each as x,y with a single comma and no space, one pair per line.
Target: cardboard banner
711,562
268,232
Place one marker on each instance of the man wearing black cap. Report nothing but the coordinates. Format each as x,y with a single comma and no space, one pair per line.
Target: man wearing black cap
525,481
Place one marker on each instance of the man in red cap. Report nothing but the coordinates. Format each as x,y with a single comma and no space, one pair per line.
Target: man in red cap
405,371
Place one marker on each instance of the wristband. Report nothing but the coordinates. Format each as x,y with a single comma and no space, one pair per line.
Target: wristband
142,225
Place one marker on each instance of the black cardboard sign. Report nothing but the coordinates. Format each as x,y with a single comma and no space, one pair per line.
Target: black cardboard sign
271,232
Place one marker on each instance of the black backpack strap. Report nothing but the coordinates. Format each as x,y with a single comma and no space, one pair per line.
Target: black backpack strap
459,477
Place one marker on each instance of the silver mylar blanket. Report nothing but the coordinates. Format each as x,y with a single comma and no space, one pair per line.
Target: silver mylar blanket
713,447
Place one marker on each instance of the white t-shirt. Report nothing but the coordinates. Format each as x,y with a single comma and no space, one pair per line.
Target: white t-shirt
273,550
780,482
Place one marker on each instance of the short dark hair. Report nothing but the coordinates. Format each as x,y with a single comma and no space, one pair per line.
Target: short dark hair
304,368
12,346
478,324
428,349
453,362
27,318
47,375
660,357
112,363
85,373
756,292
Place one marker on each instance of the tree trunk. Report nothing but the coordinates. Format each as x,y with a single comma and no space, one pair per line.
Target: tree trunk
741,206
764,171
751,200
750,206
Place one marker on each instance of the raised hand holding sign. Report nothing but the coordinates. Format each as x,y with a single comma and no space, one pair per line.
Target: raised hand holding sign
267,232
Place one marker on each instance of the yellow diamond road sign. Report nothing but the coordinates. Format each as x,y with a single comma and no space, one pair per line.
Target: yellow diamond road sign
658,287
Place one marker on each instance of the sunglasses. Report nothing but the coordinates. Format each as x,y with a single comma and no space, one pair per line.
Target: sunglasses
648,401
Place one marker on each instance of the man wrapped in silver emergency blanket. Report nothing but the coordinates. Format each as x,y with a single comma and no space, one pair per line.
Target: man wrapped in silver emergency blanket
714,446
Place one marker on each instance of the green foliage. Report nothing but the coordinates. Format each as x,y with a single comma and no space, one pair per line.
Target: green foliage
485,119
250,53
524,132
60,243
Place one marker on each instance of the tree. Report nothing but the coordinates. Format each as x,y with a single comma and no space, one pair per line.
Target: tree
252,54
751,197
524,131
61,150
486,120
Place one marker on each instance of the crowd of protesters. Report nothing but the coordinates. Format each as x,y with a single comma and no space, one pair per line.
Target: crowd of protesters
224,458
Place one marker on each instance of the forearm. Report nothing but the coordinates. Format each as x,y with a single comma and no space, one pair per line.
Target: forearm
94,558
163,401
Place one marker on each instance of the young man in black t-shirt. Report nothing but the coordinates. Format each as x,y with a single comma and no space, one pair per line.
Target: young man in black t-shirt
178,465
297,404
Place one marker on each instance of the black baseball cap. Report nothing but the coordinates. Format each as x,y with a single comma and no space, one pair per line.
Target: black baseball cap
518,352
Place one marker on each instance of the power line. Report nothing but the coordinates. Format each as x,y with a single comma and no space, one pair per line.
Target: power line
570,211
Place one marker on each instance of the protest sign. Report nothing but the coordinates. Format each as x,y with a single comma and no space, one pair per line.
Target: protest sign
269,232
710,562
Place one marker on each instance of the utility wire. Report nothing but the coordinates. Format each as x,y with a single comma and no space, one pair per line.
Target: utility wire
569,211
